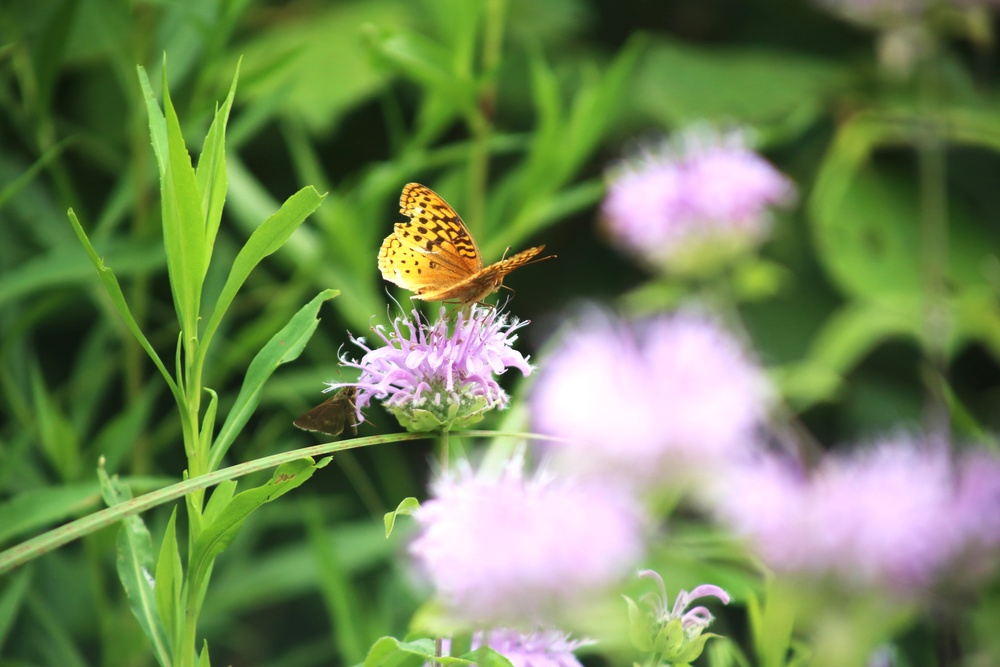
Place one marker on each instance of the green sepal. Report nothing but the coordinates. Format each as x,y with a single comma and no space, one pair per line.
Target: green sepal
406,507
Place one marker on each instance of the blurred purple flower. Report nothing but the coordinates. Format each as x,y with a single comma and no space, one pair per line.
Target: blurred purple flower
439,375
514,550
541,648
694,620
673,396
703,192
901,516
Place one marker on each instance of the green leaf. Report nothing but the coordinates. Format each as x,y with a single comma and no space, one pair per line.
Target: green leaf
118,299
184,234
425,61
203,659
211,171
846,337
484,656
13,595
35,508
58,438
220,499
265,240
640,627
694,648
136,567
284,346
390,652
283,64
669,639
679,83
347,611
406,507
217,535
169,582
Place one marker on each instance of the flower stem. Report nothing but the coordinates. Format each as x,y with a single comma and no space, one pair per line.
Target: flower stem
445,451
934,254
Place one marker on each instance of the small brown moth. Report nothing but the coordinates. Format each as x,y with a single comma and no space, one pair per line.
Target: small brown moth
333,415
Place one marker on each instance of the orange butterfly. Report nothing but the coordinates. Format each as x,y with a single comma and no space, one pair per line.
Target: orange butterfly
435,256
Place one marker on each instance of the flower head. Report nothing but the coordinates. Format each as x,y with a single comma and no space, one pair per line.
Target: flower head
514,550
540,648
899,517
675,631
695,203
671,397
439,376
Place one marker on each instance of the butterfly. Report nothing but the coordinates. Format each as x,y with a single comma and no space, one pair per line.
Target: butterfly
435,256
333,415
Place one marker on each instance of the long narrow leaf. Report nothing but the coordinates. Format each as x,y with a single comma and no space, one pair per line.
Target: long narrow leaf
181,205
211,171
221,532
11,599
264,240
169,581
135,569
118,299
284,346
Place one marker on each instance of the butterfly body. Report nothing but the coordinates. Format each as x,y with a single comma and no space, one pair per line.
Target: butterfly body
435,256
333,415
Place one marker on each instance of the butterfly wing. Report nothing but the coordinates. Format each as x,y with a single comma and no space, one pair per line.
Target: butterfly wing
434,228
333,415
417,271
478,286
435,256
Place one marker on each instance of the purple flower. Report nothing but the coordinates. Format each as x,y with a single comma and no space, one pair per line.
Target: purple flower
672,633
689,204
516,550
901,516
693,620
439,376
541,648
672,397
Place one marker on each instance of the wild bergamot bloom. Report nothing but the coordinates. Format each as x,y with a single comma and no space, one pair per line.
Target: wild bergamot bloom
674,633
539,648
439,375
693,203
516,550
901,517
673,398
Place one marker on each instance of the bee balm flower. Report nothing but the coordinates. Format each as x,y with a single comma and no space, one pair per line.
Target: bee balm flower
521,550
440,375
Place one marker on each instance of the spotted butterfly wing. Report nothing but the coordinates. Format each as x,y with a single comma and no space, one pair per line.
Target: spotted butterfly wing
333,415
435,256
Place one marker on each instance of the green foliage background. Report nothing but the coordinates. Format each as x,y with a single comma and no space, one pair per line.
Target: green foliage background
510,109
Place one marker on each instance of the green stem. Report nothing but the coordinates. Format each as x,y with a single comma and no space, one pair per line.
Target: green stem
480,119
37,546
934,256
445,452
46,542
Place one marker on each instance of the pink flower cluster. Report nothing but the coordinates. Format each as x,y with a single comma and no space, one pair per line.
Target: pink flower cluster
540,648
517,549
901,516
670,398
442,368
707,189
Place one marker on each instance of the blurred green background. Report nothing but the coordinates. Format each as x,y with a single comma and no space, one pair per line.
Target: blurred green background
512,110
